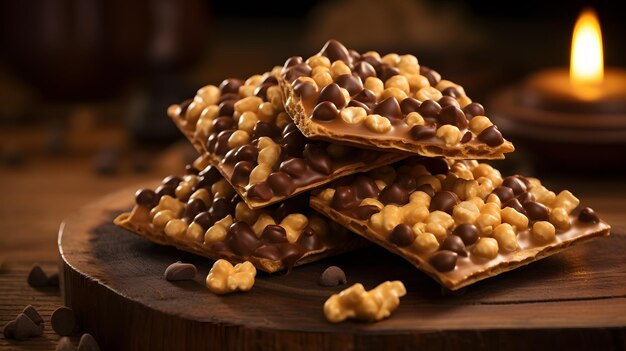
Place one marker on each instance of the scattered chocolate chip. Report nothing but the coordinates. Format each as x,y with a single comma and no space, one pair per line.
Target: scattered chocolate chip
432,75
332,276
385,71
423,132
537,211
365,187
466,137
88,343
402,235
332,93
65,344
180,271
394,194
436,165
223,123
318,159
352,84
230,85
427,188
409,105
444,260
308,241
306,90
454,116
344,199
274,234
325,111
525,197
334,50
241,239
9,330
430,108
260,191
26,328
516,205
281,183
474,109
241,173
443,201
389,108
515,184
220,208
63,321
491,136
298,70
53,279
588,215
503,193
32,313
449,101
37,277
366,96
146,198
227,108
364,70
247,152
454,243
204,220
451,92
467,232
294,143
292,61
365,212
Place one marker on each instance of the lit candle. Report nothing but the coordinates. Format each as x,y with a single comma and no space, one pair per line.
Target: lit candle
587,85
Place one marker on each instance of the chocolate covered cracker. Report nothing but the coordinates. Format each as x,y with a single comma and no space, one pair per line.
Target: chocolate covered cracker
243,130
202,214
386,103
458,221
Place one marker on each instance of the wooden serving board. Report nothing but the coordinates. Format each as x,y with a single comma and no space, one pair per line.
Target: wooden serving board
113,280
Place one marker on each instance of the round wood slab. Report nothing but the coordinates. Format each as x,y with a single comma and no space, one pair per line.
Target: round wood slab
114,282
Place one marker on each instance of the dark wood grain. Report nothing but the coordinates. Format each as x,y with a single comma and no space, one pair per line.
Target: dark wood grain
113,280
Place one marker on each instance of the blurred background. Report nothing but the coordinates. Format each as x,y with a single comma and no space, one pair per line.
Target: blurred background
84,84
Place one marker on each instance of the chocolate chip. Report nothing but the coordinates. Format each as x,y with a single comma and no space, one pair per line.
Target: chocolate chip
365,212
325,111
298,70
515,184
180,271
537,211
332,276
306,90
241,173
365,187
318,159
308,241
267,129
466,137
230,85
227,97
25,328
260,191
204,220
334,50
407,181
193,207
344,199
9,330
454,243
409,105
171,180
432,75
226,108
588,215
220,208
165,189
63,321
451,92
373,61
516,205
241,239
53,280
503,193
449,101
474,109
293,143
37,277
295,167
352,84
423,132
443,201
385,71
272,80
467,232
65,344
394,194
491,136
207,177
88,343
281,183
223,123
261,90
436,165
525,197
444,260
389,108
427,188
453,116
364,70
402,235
332,93
430,108
33,314
274,234
365,96
292,61
247,153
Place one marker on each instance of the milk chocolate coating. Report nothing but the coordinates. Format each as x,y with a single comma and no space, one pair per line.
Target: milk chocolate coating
444,260
281,183
318,159
260,191
241,239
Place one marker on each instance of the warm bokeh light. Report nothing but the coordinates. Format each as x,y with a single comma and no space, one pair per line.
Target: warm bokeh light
587,62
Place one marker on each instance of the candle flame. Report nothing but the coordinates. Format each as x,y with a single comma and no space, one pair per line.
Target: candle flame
587,62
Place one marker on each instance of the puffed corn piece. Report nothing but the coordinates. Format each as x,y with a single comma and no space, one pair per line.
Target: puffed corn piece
357,303
224,278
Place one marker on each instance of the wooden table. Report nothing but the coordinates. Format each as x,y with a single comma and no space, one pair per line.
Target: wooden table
37,197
